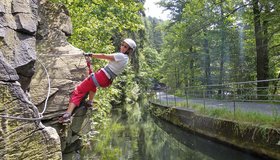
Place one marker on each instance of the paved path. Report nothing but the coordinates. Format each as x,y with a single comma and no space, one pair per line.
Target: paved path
271,109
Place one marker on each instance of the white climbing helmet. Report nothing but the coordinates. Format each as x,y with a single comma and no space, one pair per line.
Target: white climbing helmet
131,43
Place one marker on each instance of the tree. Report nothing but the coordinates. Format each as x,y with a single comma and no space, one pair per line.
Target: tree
232,40
261,46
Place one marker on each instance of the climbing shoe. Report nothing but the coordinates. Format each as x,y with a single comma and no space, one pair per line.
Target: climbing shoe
65,118
89,104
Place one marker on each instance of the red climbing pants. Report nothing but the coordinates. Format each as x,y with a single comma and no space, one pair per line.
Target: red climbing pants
87,85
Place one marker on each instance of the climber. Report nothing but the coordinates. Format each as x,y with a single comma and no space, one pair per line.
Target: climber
102,78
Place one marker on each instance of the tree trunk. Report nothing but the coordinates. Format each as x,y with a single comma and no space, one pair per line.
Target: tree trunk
207,65
222,60
261,49
207,61
192,66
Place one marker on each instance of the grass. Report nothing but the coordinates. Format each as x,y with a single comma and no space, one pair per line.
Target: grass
255,118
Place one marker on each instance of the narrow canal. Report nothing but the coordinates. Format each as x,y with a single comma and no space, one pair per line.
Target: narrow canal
135,134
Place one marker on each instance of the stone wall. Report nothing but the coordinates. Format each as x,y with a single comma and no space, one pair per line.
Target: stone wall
262,141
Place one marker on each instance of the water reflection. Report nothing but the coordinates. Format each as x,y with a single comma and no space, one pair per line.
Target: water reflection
140,136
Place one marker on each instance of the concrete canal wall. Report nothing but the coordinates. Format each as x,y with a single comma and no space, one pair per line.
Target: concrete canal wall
260,140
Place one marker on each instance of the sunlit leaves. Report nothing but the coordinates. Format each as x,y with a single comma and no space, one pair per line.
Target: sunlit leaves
95,22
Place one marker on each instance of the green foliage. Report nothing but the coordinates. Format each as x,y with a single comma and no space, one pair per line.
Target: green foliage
208,42
150,59
154,33
129,86
96,22
150,64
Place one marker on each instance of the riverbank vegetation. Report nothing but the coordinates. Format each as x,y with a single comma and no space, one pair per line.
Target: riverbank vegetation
248,117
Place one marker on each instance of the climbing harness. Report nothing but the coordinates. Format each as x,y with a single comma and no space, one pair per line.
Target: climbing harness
110,72
94,80
46,101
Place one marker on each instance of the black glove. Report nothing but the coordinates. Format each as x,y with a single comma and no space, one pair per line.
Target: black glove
87,54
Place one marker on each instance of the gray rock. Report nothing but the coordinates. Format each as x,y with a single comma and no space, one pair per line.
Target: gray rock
26,23
21,6
7,72
23,138
2,32
24,50
33,38
2,9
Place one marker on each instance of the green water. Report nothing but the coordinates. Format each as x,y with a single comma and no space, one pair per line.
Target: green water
134,134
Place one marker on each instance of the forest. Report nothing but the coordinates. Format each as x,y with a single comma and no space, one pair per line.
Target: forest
217,42
203,43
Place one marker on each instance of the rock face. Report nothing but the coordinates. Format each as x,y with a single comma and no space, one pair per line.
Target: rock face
63,62
21,139
18,21
33,40
66,67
